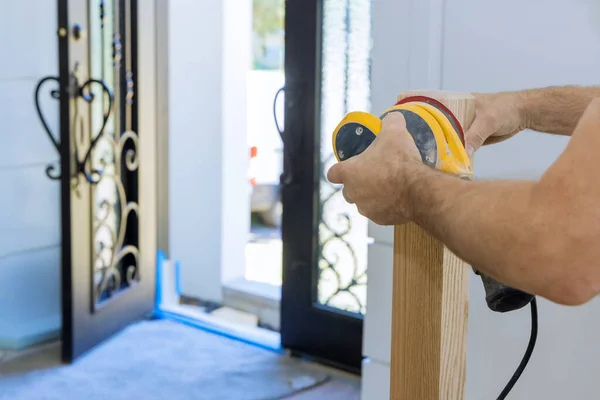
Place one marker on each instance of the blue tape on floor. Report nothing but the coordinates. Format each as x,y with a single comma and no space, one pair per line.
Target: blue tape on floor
161,314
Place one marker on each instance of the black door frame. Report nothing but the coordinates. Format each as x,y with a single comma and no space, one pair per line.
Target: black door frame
308,328
65,184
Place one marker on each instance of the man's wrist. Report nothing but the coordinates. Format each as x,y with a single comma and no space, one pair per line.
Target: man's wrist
421,195
523,104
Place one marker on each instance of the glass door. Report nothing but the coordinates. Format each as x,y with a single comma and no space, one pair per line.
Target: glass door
327,71
106,172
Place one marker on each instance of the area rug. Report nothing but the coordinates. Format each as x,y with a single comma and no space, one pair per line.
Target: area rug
163,360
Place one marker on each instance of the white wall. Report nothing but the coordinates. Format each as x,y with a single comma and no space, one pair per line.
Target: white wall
485,45
209,214
512,45
30,202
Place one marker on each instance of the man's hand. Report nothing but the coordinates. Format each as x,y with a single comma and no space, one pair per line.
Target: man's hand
498,116
376,180
554,110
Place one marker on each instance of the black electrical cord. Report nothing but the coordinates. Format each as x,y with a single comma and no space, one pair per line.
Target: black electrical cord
534,330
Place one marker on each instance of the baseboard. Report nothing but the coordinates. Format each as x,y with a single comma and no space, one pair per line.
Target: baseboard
25,341
260,299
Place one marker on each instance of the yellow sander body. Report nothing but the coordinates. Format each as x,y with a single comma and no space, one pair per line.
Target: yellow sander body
435,130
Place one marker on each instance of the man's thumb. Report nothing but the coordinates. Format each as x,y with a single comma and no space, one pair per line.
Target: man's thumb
475,136
334,175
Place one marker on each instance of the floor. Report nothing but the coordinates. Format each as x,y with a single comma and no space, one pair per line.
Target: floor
340,386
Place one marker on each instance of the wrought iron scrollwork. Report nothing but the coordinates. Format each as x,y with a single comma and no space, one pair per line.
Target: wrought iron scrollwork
82,165
52,170
338,258
115,260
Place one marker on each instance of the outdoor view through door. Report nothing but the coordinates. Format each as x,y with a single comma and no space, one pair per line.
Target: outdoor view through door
345,80
327,71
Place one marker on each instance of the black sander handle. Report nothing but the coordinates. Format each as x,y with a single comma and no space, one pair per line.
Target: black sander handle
502,298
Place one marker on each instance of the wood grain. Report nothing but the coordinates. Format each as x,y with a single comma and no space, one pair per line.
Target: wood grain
430,302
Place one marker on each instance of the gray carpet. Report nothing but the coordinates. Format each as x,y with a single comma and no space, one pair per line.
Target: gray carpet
154,360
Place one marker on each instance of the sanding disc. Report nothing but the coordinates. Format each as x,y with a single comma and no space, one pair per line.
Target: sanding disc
441,107
426,132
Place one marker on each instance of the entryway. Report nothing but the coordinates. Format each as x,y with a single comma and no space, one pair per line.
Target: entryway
299,68
147,182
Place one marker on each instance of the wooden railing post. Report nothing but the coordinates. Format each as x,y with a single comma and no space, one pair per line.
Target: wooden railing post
430,302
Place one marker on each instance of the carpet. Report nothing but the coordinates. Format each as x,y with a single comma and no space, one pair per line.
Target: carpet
160,359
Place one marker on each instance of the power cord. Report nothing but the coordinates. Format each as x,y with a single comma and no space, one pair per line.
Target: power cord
532,339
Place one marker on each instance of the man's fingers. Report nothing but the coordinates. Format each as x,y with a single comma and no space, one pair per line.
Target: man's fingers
393,121
347,196
476,135
334,175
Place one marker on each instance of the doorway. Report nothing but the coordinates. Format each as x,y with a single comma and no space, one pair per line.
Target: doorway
304,279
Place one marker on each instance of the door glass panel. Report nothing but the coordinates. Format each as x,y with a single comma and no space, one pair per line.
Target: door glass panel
114,195
345,72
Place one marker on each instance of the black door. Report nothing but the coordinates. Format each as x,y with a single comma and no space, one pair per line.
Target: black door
108,237
325,241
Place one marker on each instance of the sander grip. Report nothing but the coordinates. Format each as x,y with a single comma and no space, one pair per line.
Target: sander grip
502,298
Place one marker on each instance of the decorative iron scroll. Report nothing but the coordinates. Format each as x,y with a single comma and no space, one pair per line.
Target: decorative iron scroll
338,261
345,86
51,169
82,165
115,261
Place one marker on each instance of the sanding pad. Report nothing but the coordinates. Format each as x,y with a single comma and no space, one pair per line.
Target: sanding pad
426,132
440,106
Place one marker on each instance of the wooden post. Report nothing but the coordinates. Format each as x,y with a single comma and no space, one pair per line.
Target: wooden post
430,302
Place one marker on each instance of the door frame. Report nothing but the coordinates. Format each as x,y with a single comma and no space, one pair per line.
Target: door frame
308,328
146,173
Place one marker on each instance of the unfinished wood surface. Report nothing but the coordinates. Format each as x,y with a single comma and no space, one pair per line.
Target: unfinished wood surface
430,302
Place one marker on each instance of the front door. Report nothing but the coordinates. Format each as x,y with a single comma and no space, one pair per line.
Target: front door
327,71
106,171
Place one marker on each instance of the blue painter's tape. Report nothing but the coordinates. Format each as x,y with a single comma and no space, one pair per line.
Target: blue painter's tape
161,257
217,330
178,278
159,313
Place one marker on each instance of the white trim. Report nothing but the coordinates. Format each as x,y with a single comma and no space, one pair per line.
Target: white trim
209,194
162,121
146,82
260,299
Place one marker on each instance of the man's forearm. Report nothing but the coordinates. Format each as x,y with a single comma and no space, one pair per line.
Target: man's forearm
495,226
557,109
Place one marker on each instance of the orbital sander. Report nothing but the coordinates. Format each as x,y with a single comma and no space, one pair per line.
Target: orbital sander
440,139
